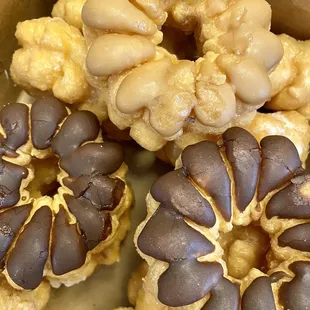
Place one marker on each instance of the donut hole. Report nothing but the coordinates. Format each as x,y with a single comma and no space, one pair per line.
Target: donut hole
45,180
245,248
179,43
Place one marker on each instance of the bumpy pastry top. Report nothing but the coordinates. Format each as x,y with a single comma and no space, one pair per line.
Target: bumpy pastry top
51,59
228,83
57,237
233,181
290,80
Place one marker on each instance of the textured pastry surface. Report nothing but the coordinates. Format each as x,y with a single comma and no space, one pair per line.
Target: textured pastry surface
172,96
234,185
60,237
290,124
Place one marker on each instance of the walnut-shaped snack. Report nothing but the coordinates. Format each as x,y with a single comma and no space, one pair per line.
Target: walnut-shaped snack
153,93
232,185
59,238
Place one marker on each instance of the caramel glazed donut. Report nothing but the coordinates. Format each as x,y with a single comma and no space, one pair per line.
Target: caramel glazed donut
61,238
217,187
223,88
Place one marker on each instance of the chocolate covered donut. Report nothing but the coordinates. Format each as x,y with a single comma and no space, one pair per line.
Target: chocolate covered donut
63,237
219,188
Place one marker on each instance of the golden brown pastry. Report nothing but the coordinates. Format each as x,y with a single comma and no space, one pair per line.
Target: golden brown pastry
158,96
291,79
290,124
60,237
212,221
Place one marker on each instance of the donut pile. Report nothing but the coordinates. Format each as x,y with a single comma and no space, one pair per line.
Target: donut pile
217,186
224,87
64,237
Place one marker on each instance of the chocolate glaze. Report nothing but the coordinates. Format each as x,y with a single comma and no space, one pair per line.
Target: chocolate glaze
103,158
224,296
102,192
187,281
243,154
297,237
294,295
280,161
205,166
277,276
177,191
11,222
11,177
14,121
46,114
259,295
68,250
26,261
95,225
290,202
79,127
168,238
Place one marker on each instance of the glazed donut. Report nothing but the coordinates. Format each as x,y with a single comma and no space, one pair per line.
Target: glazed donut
223,88
219,188
64,237
290,124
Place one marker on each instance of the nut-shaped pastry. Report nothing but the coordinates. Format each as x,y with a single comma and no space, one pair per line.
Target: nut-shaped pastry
219,187
60,238
152,92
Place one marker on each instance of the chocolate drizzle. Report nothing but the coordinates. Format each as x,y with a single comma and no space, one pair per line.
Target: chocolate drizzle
224,296
14,121
68,250
291,202
280,161
205,166
11,177
46,115
259,295
243,154
79,127
183,197
27,259
294,295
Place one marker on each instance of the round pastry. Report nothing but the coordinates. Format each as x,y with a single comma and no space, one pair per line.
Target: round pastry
290,124
169,94
63,236
235,186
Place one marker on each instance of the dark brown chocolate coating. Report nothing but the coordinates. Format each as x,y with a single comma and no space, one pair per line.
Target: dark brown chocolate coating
95,225
176,190
297,237
294,295
27,260
46,115
14,121
259,295
280,161
103,192
79,127
277,276
103,158
244,156
11,221
290,202
224,296
168,238
187,281
205,166
11,177
68,250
